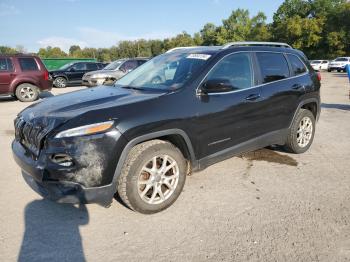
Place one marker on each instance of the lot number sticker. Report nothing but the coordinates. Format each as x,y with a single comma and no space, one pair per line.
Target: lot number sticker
199,56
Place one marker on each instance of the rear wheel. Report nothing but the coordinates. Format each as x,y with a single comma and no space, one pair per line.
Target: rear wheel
152,177
27,92
302,132
60,82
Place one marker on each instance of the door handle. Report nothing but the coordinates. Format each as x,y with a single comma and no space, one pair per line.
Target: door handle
297,86
252,97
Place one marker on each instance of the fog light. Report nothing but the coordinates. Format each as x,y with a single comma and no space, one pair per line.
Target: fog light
62,160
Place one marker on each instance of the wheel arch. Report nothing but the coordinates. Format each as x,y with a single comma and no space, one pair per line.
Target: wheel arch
16,84
311,104
177,137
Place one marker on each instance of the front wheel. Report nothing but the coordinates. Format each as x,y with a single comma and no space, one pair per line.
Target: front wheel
60,82
301,133
152,177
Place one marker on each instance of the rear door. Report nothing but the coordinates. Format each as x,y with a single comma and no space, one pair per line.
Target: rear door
283,84
6,75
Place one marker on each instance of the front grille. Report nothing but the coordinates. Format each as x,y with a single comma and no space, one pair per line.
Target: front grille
30,135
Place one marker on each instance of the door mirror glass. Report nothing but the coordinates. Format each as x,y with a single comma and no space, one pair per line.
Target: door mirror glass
218,85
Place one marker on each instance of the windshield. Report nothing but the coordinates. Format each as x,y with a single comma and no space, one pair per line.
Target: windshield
315,62
341,59
114,65
66,66
167,71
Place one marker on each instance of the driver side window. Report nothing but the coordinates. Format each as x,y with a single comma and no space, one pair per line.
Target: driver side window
79,66
235,68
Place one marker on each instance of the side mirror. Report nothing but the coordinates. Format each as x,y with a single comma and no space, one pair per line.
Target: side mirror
71,69
219,85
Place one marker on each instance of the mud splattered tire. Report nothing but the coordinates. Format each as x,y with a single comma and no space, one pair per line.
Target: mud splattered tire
152,177
27,92
301,133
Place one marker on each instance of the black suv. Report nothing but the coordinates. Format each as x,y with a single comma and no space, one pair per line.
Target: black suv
72,73
178,113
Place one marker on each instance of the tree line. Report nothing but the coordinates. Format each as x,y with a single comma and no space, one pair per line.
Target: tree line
320,28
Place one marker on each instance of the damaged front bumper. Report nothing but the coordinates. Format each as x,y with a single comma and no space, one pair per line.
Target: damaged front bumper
72,184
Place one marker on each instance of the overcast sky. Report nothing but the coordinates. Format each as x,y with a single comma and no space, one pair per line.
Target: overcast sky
102,23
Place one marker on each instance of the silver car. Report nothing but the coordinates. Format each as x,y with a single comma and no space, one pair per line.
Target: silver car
112,72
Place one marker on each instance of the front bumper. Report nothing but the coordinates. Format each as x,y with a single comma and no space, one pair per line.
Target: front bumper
91,82
334,67
78,184
68,192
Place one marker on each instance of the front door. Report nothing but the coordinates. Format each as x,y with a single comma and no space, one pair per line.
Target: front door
231,118
76,72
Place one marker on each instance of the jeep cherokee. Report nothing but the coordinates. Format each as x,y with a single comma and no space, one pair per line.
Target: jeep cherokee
178,113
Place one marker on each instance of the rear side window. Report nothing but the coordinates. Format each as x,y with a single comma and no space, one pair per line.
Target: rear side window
6,64
236,68
28,64
91,66
298,67
273,66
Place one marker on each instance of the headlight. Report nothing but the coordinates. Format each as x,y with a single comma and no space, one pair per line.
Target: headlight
86,130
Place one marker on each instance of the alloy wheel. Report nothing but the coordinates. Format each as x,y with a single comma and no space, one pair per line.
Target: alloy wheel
158,179
304,132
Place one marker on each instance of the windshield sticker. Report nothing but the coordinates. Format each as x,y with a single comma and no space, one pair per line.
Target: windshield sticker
199,56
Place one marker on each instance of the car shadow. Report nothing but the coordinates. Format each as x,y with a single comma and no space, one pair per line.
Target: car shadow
42,95
336,106
52,232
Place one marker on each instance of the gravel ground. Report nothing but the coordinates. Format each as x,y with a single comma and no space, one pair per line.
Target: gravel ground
264,206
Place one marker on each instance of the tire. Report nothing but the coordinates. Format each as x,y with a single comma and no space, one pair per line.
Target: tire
134,179
329,70
60,82
300,138
27,92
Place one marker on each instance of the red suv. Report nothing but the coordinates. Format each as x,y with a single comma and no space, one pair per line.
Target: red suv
23,76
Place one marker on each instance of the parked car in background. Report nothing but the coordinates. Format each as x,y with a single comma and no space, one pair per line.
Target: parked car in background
144,135
339,64
112,72
319,64
23,76
72,73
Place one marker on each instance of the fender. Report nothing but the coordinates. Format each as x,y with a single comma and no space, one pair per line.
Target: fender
304,102
150,136
18,82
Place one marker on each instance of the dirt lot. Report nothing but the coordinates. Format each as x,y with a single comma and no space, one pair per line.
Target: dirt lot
266,206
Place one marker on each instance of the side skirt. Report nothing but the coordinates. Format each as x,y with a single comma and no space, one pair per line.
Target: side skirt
272,138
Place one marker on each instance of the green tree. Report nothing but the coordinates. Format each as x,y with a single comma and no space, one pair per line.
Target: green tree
5,50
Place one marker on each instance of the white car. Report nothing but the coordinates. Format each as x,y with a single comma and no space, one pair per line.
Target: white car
339,64
319,64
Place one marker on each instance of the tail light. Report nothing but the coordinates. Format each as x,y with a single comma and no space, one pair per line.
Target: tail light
319,76
46,75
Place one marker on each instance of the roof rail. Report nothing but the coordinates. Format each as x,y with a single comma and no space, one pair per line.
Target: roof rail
180,48
248,43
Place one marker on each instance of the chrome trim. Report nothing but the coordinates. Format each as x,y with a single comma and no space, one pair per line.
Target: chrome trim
219,141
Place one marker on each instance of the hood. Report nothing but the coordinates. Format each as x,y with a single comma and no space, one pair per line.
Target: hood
54,111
